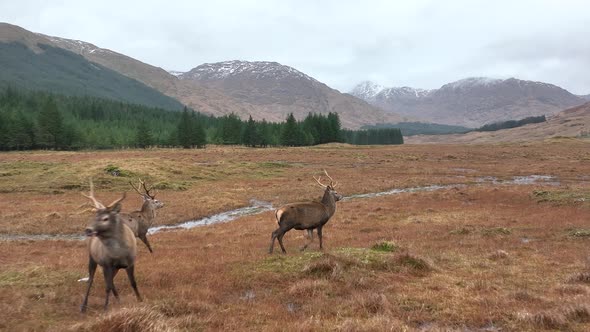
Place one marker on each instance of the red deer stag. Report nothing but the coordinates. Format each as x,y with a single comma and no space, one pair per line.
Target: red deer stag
111,245
306,215
140,221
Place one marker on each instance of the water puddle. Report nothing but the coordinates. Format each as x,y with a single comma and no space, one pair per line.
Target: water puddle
257,207
42,237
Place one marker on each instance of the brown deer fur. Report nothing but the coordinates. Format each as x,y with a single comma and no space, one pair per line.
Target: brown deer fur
112,245
141,220
306,216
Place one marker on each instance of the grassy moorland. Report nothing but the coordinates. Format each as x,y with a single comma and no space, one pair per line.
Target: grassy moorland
485,256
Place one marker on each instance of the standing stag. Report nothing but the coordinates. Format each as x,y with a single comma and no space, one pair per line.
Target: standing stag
141,220
306,215
111,245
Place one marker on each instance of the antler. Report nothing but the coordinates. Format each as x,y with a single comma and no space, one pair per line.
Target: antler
136,188
147,191
117,201
318,181
332,183
142,185
98,205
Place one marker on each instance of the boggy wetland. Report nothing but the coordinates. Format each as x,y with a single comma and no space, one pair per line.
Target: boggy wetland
426,237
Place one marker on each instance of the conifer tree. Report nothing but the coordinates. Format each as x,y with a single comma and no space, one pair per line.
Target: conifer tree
143,135
50,125
198,136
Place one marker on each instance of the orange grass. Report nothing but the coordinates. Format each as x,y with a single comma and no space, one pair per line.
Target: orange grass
471,257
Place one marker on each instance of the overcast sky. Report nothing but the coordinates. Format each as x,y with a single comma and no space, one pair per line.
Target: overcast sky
419,43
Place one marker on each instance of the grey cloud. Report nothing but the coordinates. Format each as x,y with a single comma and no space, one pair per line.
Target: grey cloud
414,43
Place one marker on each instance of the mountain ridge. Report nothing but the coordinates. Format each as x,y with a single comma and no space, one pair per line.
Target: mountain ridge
269,101
473,101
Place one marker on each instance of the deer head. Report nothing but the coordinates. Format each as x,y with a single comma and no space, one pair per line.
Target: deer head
329,187
147,195
106,216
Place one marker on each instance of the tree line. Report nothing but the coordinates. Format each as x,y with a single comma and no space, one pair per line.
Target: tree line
41,120
511,123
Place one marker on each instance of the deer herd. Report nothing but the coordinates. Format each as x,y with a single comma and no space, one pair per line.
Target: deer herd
112,234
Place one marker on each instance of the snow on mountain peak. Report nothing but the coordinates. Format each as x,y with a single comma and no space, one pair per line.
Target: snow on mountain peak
176,73
259,69
366,89
471,82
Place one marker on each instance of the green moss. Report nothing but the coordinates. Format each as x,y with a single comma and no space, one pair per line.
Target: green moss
386,246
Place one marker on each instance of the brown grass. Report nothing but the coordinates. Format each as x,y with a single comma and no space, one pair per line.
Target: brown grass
423,260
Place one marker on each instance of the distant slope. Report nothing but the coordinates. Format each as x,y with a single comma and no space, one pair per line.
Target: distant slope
421,128
471,102
585,97
272,90
573,122
31,61
254,95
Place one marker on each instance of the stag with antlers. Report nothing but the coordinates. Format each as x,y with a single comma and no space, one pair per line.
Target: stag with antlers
112,245
306,215
141,220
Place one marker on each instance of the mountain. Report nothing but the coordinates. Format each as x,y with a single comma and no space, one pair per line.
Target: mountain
473,102
35,62
204,89
272,90
585,97
572,122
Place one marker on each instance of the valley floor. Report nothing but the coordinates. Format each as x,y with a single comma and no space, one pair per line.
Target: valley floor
494,250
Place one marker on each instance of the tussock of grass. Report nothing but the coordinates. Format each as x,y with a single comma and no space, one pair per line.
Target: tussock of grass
562,197
326,267
128,320
376,323
579,233
545,320
496,231
165,185
461,231
36,277
385,246
309,288
373,303
180,307
524,296
414,263
498,255
579,312
581,277
572,290
287,264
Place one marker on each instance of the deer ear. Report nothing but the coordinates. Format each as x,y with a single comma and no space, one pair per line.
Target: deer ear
115,208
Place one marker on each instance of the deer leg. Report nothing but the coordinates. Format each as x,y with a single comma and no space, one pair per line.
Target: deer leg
147,243
131,275
108,279
91,270
115,293
320,236
272,240
280,238
309,237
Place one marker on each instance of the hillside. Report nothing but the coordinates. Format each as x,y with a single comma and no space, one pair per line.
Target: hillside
573,122
272,90
34,62
245,94
471,102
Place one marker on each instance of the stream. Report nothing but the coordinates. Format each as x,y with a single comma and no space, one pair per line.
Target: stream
257,207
